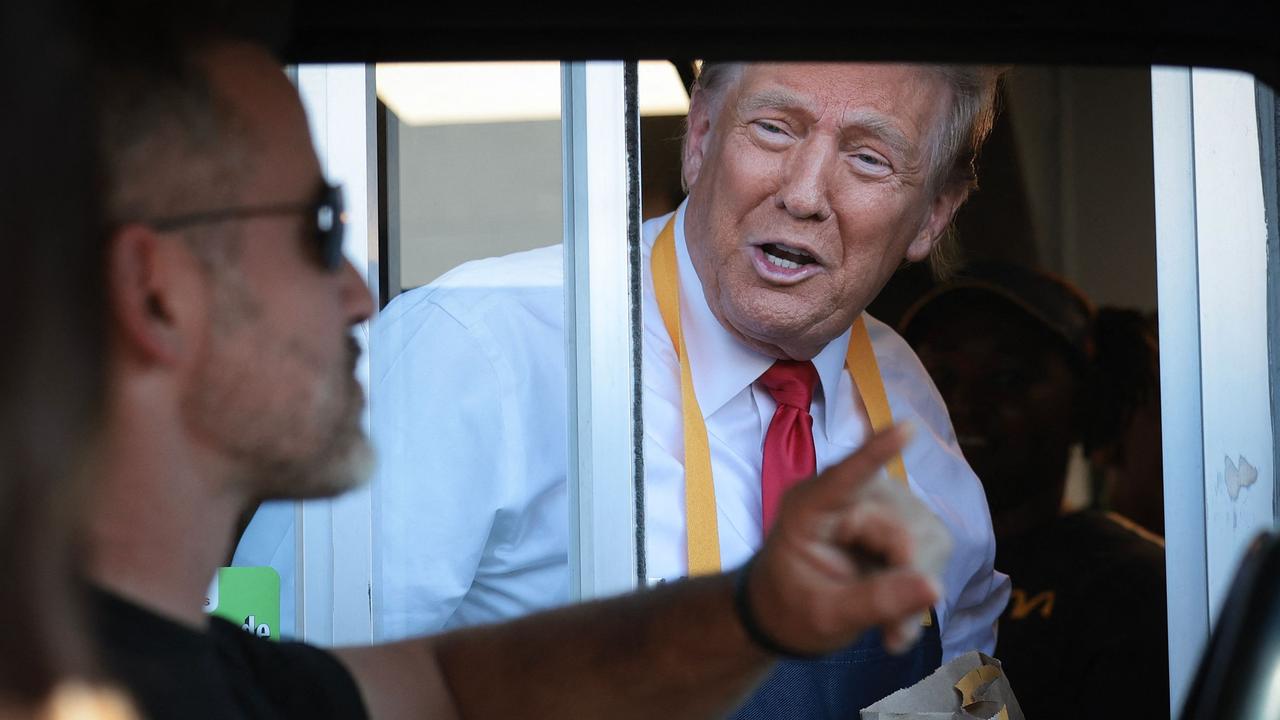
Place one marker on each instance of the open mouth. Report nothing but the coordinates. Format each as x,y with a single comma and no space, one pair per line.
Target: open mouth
786,257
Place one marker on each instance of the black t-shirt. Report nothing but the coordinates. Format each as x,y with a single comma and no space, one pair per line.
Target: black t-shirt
1084,634
174,671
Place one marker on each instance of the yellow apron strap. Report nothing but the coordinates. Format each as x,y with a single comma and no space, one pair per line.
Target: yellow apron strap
702,535
861,361
702,532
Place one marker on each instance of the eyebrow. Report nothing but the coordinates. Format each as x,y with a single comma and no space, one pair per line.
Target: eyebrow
868,121
774,99
876,124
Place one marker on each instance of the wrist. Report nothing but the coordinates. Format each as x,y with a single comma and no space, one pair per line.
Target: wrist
750,621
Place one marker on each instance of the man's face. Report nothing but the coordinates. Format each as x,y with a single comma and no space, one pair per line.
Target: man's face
1012,395
275,392
809,185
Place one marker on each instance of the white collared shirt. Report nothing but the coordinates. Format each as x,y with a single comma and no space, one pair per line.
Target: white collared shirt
468,414
737,411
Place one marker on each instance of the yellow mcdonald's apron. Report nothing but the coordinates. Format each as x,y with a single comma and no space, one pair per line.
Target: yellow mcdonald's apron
701,531
840,684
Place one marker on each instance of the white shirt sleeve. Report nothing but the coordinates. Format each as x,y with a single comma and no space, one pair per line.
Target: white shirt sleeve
468,414
972,623
436,421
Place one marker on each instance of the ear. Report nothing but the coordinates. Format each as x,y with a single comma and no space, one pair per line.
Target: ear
154,287
696,140
941,210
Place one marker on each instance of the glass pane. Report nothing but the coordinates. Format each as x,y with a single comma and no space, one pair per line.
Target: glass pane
468,371
1037,386
478,154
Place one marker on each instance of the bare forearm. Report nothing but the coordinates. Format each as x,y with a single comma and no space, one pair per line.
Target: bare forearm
675,651
681,650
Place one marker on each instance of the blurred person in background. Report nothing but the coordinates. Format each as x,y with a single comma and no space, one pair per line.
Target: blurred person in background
53,369
1028,369
1131,465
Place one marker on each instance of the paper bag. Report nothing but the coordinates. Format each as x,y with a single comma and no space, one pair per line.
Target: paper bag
971,687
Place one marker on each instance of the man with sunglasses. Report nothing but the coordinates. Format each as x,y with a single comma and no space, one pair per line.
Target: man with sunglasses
231,382
325,212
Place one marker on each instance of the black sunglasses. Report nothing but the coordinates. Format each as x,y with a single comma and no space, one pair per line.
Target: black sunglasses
326,211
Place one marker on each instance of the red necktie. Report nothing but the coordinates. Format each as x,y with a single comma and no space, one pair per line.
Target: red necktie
788,445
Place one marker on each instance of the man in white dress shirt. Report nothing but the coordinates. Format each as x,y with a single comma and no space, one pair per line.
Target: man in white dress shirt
809,185
229,313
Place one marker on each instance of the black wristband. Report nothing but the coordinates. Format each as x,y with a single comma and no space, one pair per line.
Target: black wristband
747,617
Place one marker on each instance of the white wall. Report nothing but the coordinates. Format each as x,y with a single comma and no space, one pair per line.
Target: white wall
474,191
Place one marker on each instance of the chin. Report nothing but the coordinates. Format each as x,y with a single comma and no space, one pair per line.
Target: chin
342,471
788,333
347,461
344,464
797,319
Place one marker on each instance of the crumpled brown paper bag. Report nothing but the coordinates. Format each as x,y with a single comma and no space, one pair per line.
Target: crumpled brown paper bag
970,687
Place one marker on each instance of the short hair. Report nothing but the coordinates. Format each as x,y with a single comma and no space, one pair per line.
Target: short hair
168,143
166,140
953,160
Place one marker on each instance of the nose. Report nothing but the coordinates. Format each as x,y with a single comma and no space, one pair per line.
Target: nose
803,191
357,301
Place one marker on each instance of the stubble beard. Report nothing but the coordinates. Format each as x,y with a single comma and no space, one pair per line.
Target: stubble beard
343,463
282,442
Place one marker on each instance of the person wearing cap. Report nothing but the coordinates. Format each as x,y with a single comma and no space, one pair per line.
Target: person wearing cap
809,185
1029,369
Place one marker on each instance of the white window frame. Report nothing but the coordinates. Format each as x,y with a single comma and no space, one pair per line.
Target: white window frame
334,552
599,332
1211,242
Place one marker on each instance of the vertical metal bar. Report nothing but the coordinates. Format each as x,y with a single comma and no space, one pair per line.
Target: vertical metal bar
573,178
311,561
1232,246
598,331
353,105
389,278
335,555
1177,282
1268,146
388,287
631,85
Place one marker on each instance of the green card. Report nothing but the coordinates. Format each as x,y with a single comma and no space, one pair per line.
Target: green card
248,597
